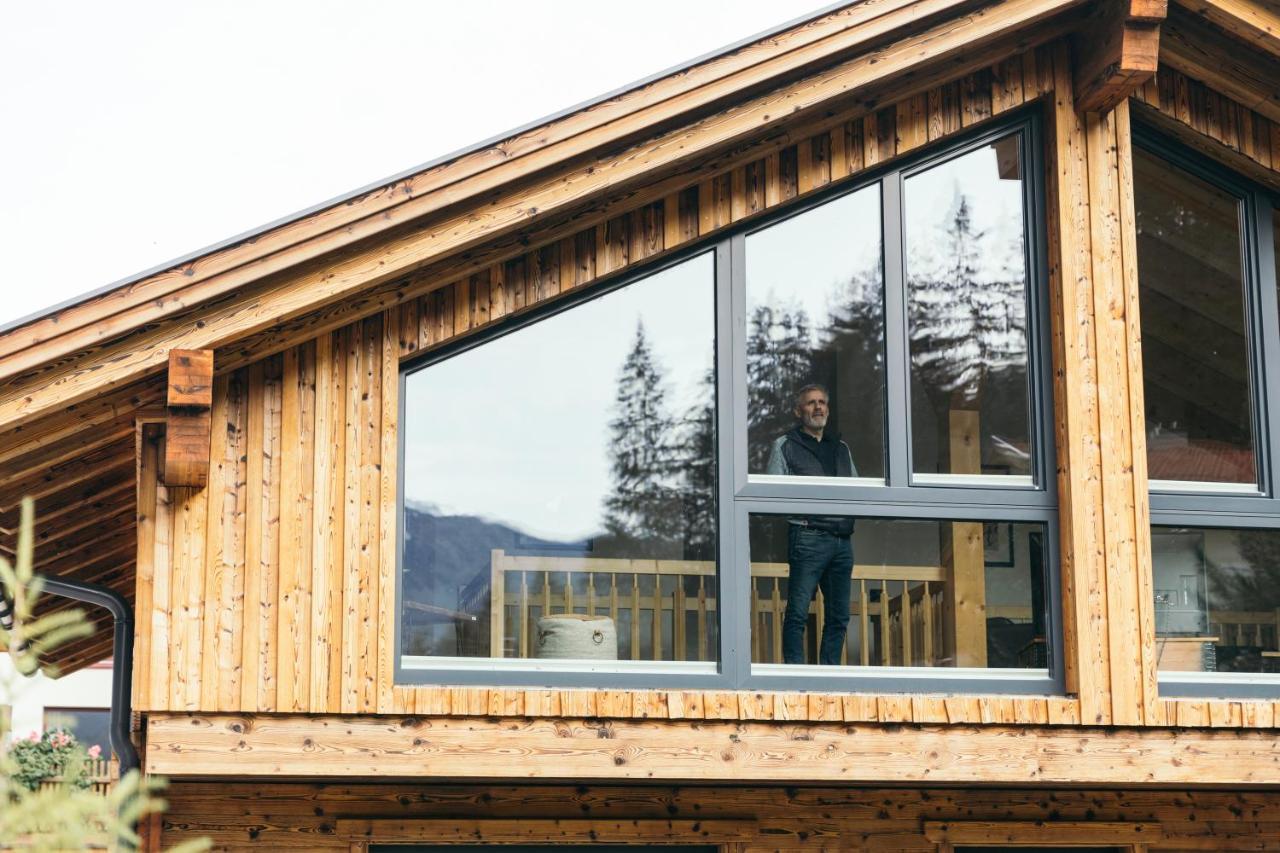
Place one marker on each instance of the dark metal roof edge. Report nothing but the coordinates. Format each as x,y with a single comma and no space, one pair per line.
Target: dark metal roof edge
461,152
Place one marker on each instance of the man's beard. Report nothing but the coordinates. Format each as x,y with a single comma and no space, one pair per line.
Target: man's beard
815,422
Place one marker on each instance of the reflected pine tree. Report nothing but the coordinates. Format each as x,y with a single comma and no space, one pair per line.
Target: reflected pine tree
696,459
967,315
662,503
643,511
780,360
967,309
1254,586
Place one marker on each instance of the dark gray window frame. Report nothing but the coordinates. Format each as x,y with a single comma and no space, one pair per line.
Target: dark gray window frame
1189,507
738,497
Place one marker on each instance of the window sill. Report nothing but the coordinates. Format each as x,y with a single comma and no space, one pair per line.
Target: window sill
1218,685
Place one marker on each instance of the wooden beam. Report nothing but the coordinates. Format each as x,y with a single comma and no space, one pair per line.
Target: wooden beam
548,830
914,63
1042,832
1256,23
1229,67
369,747
1185,133
189,423
190,378
1116,52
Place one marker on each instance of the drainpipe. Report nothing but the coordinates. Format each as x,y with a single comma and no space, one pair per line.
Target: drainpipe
121,659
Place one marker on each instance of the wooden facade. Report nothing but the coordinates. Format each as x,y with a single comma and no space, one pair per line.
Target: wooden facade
266,598
328,397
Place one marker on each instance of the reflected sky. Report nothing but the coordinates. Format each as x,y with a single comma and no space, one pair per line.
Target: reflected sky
806,261
995,208
516,430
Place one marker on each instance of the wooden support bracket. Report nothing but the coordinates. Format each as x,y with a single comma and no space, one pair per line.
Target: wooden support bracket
1116,52
189,418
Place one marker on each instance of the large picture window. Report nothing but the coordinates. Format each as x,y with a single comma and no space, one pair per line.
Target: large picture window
558,490
1207,286
812,455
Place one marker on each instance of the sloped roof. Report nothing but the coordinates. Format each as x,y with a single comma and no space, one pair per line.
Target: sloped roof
75,380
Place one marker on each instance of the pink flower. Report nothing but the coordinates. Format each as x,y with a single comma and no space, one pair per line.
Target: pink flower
95,751
34,737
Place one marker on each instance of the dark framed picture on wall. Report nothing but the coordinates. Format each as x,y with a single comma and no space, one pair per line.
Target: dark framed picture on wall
997,544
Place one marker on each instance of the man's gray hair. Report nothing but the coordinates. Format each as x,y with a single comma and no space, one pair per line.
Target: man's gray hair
812,386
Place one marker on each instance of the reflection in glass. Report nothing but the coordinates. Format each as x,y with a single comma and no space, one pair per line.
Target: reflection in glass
815,314
967,314
1195,362
1217,597
568,468
91,726
919,593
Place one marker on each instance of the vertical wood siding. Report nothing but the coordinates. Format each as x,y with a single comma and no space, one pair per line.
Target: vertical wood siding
273,588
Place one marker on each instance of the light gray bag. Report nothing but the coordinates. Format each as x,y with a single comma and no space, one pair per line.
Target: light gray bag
577,636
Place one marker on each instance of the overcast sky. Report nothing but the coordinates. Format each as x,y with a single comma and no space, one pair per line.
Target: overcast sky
136,132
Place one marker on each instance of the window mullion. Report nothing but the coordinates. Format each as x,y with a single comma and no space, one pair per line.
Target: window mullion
897,370
1261,267
731,415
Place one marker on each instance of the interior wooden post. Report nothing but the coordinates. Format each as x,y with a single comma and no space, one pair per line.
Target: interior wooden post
964,615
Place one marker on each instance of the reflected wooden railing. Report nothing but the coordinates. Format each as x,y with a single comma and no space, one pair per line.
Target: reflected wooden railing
896,612
1260,628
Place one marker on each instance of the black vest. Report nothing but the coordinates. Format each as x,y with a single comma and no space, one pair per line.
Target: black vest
805,457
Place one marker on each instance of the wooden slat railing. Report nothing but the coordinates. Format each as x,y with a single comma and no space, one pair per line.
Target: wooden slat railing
1246,628
895,611
101,772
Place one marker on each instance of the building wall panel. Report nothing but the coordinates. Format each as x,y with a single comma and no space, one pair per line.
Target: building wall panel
286,602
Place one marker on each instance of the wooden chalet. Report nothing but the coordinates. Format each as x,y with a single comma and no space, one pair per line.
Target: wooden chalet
352,472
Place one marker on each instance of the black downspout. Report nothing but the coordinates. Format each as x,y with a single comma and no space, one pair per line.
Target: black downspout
121,659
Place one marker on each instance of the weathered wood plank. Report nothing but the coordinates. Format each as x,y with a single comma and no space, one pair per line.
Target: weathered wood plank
148,477
233,504
1086,655
576,749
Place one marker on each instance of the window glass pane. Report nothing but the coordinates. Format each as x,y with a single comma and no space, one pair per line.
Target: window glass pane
967,314
91,726
815,316
1217,599
898,592
569,468
1195,350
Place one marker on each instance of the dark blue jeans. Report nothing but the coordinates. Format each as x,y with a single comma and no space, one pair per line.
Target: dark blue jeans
818,560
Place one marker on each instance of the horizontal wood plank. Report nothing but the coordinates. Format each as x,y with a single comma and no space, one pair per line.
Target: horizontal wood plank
243,746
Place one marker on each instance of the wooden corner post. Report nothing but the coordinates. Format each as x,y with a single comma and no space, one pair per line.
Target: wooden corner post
189,420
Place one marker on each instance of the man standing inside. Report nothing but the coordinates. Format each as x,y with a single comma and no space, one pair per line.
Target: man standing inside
819,547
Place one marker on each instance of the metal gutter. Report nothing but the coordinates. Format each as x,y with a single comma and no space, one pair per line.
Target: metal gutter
430,164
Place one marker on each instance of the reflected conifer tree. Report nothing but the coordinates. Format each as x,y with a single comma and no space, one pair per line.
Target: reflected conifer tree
967,315
643,510
779,360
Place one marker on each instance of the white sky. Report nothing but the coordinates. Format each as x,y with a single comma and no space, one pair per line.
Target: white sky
135,132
